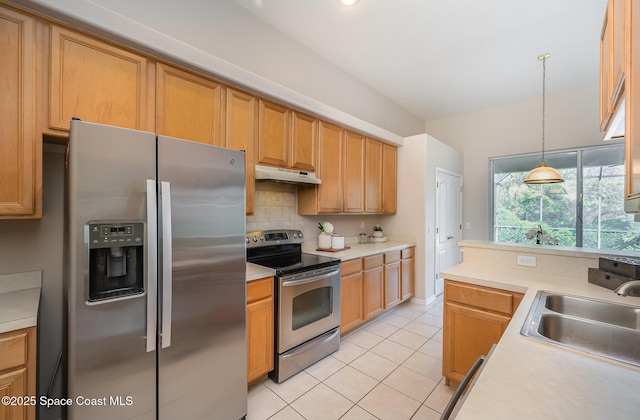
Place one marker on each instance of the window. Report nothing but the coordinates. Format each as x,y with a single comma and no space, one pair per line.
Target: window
587,210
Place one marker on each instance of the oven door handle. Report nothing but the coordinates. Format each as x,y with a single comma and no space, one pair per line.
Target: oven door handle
310,277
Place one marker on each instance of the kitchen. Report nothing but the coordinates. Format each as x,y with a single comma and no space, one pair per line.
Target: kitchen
577,106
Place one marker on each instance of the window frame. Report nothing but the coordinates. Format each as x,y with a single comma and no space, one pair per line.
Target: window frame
579,183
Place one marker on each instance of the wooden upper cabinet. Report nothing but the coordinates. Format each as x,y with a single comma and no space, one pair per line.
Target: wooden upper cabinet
330,169
616,73
98,82
304,142
353,180
389,179
632,109
373,176
605,59
20,150
240,131
273,134
188,106
326,197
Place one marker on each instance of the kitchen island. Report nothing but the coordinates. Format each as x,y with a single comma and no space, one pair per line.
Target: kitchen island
528,378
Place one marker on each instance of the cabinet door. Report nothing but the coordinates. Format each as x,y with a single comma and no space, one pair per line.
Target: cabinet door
373,176
273,134
188,106
20,151
14,384
605,59
392,284
351,309
330,168
468,334
97,82
240,134
389,179
353,182
632,108
616,42
260,334
304,141
373,292
407,273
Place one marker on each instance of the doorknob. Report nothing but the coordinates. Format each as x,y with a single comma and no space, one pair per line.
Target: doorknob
449,237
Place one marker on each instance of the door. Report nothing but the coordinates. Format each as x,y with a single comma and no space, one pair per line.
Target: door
116,338
202,357
448,223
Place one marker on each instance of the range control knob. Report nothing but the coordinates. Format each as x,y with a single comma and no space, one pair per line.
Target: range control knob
247,239
255,239
295,235
299,234
262,238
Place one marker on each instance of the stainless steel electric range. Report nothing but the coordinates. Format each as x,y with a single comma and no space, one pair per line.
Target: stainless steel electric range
307,304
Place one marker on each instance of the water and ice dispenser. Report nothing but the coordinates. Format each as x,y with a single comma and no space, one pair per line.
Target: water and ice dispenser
116,259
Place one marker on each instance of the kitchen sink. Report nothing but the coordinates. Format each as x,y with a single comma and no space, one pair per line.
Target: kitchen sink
598,327
595,310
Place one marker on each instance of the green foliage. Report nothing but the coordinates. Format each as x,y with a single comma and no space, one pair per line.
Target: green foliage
520,207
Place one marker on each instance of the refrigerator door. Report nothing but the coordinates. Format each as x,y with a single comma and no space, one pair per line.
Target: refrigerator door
111,373
202,368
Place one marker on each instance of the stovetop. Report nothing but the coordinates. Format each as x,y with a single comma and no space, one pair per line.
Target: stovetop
282,250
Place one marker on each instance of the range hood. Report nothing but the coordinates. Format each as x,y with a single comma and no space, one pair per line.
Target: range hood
289,176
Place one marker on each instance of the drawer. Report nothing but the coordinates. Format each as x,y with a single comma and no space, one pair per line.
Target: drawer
408,253
373,261
351,266
13,350
259,289
494,300
392,256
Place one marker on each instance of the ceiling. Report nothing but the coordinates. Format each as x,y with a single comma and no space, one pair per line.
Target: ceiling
437,58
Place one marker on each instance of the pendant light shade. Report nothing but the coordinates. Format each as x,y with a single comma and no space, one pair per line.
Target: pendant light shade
543,174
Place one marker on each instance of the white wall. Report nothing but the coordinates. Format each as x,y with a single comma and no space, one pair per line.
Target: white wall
418,160
223,40
572,120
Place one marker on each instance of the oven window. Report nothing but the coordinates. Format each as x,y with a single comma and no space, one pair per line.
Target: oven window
312,306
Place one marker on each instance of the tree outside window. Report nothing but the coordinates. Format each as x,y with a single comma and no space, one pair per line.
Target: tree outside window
597,220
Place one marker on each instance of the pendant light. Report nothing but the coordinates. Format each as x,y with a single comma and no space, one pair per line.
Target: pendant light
543,174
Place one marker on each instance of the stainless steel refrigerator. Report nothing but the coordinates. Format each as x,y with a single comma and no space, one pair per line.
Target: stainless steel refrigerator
156,277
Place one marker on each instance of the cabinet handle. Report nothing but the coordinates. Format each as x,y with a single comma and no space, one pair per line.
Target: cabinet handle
463,385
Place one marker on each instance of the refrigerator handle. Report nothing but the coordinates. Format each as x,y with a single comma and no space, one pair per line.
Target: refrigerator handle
152,265
165,333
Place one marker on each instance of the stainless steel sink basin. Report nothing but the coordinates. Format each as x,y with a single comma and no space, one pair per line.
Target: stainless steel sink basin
602,328
595,310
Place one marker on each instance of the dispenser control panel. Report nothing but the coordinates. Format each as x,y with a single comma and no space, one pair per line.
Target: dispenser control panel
117,234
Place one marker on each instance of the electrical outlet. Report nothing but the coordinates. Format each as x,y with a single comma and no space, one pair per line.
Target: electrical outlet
362,225
526,261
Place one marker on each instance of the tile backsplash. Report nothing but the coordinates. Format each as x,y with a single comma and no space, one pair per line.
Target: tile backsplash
275,209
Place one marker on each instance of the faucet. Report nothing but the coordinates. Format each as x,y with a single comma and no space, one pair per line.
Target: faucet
625,288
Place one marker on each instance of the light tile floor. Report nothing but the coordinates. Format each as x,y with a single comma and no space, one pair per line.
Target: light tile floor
390,368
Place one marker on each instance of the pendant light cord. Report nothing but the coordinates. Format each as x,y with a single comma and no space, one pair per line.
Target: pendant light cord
544,61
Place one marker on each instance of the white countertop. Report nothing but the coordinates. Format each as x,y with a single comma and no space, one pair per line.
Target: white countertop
255,271
529,379
19,300
357,250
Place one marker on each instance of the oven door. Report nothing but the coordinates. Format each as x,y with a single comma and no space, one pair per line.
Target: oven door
308,305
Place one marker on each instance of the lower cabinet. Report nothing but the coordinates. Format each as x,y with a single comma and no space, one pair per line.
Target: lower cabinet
408,273
18,372
392,295
474,319
372,284
260,335
351,294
